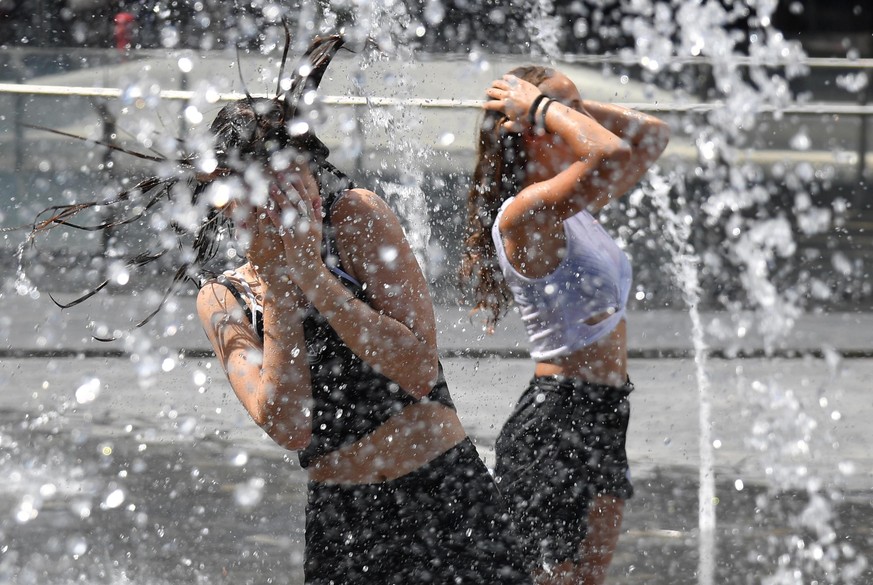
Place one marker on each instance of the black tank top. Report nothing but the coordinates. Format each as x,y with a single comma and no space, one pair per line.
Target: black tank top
350,399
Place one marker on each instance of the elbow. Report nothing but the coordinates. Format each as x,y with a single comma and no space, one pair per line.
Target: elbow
289,436
660,136
655,140
288,424
292,441
620,153
425,378
431,374
614,155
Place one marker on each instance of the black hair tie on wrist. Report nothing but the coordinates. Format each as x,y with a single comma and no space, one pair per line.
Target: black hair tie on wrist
532,112
545,109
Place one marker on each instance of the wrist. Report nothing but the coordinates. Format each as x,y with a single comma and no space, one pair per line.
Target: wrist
282,291
315,280
532,111
544,110
327,293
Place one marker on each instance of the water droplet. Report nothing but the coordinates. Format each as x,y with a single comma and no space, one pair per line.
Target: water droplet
801,141
249,494
852,82
48,490
199,378
28,509
77,546
88,391
298,127
434,12
447,139
187,426
81,508
388,254
707,150
114,499
193,115
238,458
847,467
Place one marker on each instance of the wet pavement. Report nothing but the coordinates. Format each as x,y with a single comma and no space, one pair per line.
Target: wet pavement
128,464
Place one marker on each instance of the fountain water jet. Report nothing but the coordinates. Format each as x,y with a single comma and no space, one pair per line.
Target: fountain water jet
761,244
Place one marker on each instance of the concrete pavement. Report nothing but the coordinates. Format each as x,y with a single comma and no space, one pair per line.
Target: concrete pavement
156,475
37,324
128,463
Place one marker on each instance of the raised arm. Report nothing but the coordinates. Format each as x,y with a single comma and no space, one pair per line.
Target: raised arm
395,331
647,137
578,168
270,378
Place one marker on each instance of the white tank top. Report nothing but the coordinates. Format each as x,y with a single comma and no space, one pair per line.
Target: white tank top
592,279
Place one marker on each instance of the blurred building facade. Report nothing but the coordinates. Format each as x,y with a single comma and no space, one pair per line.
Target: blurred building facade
826,28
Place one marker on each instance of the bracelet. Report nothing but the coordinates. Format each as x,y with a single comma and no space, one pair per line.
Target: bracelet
532,112
545,109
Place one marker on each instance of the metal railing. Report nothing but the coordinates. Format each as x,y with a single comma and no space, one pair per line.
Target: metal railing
855,141
826,108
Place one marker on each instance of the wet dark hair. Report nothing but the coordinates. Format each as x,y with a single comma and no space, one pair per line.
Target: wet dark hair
499,175
253,129
246,132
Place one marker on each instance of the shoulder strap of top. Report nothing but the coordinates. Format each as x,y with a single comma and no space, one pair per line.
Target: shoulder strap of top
247,299
224,281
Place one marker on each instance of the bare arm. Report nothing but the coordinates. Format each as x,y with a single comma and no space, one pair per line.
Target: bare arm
564,180
395,331
646,135
270,378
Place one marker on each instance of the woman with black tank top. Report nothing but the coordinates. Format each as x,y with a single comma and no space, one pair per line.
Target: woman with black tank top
548,160
327,335
328,338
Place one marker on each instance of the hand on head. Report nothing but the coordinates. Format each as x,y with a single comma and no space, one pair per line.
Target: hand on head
513,97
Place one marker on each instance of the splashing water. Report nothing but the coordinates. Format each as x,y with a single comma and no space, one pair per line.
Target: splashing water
390,25
756,245
544,28
783,432
23,285
684,268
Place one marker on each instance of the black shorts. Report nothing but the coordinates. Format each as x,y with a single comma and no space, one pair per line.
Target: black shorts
563,445
444,523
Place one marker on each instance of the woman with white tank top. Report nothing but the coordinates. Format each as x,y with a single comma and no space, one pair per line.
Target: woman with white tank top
548,160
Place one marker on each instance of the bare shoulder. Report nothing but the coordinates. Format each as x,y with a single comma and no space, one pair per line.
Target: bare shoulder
216,303
360,205
361,217
211,298
366,228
